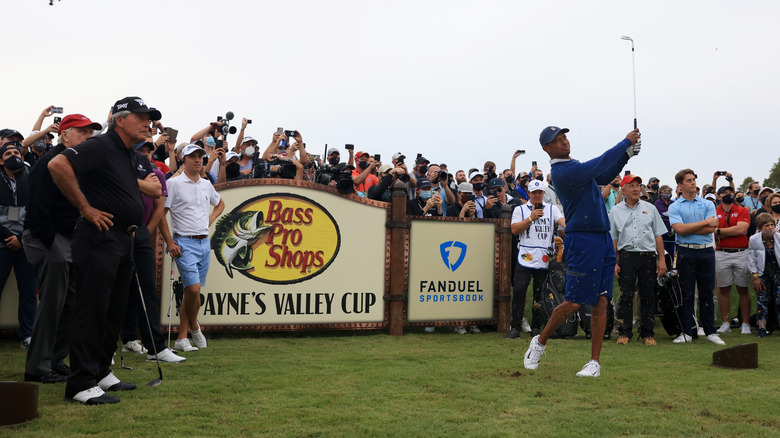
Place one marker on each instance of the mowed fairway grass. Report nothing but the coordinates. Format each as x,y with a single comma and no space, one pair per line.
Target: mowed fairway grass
441,384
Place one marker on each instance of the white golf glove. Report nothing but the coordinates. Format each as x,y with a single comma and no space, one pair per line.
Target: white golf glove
634,148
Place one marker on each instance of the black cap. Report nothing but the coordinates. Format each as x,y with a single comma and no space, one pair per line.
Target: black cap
424,182
723,189
422,160
8,133
496,182
10,145
135,104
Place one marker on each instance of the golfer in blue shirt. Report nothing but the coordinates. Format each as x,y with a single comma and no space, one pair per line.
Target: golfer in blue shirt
590,255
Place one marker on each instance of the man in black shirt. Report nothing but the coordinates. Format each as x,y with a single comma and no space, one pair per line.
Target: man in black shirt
98,177
47,238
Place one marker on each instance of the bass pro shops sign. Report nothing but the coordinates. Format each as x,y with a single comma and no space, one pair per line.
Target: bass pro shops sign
288,255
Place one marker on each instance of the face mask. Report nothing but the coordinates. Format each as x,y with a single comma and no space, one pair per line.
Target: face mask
739,199
478,187
776,208
509,179
539,178
13,163
233,170
727,199
654,186
249,151
426,194
767,234
763,200
39,146
666,195
615,185
210,141
363,165
755,192
334,161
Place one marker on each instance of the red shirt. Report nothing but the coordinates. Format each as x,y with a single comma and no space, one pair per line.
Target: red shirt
368,182
736,215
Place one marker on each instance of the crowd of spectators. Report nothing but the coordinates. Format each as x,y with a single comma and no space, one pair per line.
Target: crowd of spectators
432,188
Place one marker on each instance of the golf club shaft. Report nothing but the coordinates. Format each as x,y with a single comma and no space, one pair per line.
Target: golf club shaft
633,71
148,324
170,306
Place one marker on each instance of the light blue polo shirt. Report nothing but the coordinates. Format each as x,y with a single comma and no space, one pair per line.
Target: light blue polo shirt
683,211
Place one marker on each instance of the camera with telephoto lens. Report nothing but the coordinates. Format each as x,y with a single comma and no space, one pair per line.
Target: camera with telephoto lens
490,174
662,280
277,168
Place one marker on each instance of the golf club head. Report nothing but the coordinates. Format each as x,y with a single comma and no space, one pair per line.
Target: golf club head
155,382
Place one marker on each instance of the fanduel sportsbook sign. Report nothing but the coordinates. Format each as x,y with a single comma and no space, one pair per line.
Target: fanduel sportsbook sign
451,271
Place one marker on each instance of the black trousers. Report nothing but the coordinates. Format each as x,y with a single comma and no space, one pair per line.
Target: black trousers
143,257
103,265
523,277
637,273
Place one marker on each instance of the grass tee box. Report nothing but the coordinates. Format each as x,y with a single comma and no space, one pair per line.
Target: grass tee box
358,384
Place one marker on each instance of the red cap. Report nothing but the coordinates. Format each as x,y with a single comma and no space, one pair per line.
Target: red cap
77,121
360,154
628,178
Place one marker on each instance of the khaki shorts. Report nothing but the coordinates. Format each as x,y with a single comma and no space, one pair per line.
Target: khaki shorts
732,268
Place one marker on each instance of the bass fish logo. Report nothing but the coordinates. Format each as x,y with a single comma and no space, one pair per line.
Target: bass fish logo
445,248
277,238
234,235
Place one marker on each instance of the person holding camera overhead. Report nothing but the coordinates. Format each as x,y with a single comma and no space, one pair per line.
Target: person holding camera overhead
361,176
426,203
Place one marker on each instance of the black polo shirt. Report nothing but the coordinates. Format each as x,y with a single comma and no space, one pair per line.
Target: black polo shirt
48,211
107,170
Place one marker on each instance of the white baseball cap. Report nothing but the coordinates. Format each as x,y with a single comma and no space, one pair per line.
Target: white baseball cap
535,185
190,148
230,155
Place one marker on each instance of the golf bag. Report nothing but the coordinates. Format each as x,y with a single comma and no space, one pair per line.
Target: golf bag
585,312
553,292
668,298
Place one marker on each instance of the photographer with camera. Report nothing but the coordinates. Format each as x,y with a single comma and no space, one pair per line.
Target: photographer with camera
426,203
438,180
637,229
464,205
497,196
388,176
361,176
533,224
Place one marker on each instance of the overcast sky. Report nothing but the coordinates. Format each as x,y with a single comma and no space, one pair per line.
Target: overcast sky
460,81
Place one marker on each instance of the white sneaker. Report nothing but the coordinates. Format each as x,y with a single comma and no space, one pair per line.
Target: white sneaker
134,346
700,331
745,329
534,354
460,330
524,326
198,338
724,328
184,345
92,396
112,383
591,369
682,339
474,329
167,356
715,339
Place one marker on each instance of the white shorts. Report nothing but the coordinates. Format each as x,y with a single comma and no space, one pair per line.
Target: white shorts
732,268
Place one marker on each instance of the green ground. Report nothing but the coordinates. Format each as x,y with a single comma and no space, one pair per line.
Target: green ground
441,384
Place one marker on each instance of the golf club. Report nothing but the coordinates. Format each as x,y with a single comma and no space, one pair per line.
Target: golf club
170,305
158,381
154,382
633,68
122,355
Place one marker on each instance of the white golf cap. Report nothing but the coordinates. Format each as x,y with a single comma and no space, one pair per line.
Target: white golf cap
535,185
190,148
230,155
474,174
248,139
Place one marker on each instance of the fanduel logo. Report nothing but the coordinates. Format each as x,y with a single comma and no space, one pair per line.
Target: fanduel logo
445,248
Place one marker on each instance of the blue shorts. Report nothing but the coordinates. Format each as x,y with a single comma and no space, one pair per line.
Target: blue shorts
193,264
590,267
